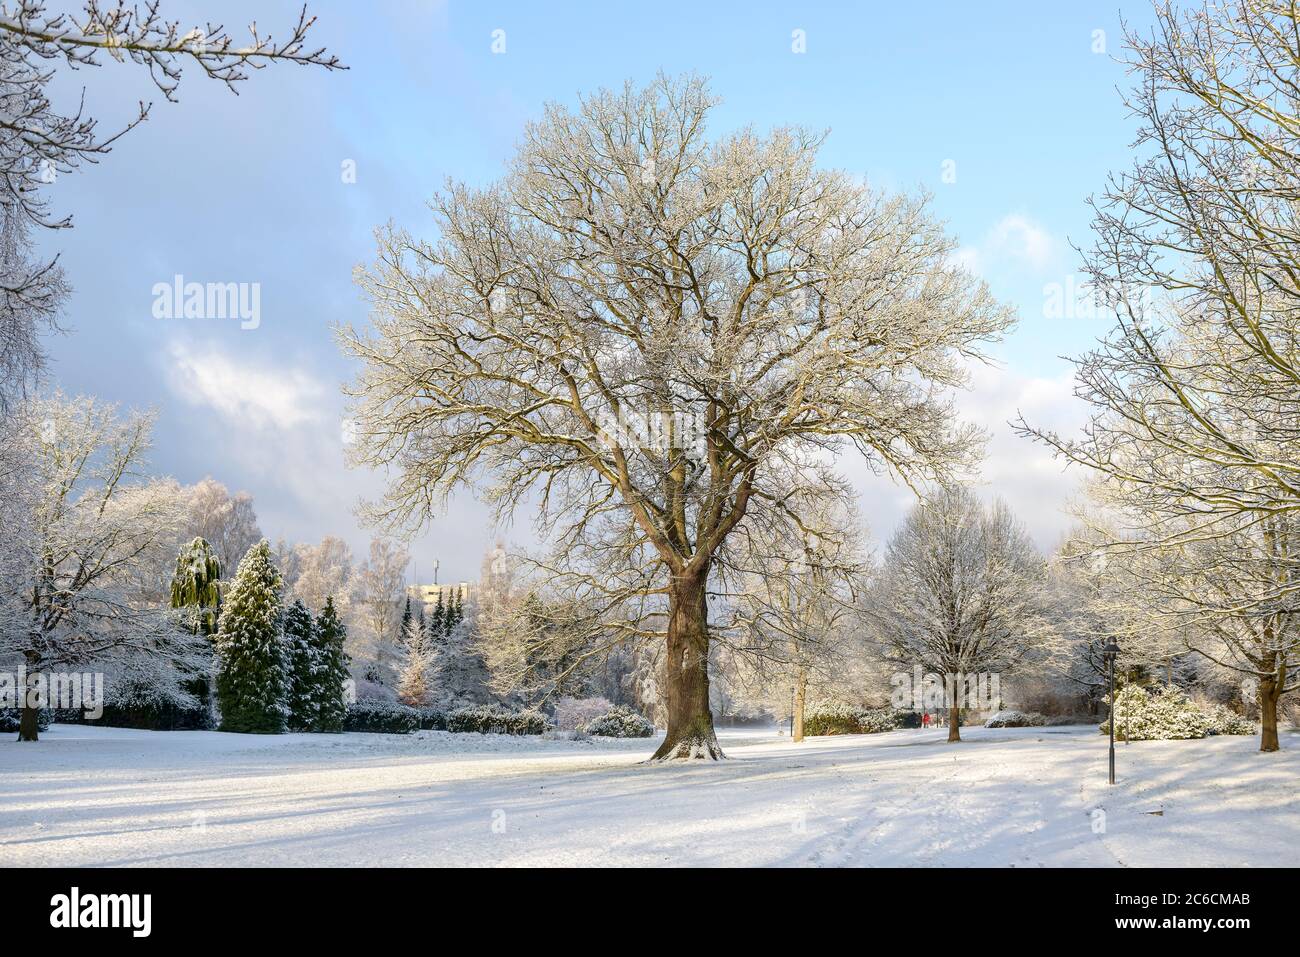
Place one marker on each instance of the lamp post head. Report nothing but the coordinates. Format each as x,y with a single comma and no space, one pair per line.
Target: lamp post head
1110,652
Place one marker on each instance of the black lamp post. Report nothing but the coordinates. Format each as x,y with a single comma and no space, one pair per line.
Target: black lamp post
1109,653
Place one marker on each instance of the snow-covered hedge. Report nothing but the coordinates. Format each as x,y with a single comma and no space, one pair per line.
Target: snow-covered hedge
432,719
620,722
1016,719
10,718
494,719
384,717
846,719
573,714
1168,714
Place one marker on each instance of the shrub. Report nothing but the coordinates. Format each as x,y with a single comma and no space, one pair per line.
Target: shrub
832,719
1016,719
1166,715
620,722
383,717
877,720
494,719
846,719
573,714
1223,720
10,718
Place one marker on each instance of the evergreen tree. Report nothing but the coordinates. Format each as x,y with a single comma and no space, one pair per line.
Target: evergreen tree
405,627
333,673
252,679
302,647
455,610
438,620
413,682
195,584
196,588
429,629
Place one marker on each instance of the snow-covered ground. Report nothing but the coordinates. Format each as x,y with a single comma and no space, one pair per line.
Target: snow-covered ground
1013,797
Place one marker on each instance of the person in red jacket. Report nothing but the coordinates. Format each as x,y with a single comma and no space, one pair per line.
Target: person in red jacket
925,720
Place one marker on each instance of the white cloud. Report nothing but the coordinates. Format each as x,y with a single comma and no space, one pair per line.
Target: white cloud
277,432
1022,472
1015,240
247,394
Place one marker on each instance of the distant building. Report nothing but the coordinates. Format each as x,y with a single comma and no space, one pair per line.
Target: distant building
428,594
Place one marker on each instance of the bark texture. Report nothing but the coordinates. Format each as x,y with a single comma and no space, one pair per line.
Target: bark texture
686,696
1268,698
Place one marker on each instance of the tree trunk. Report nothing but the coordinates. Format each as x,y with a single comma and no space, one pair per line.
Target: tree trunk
954,724
28,723
686,674
27,726
1268,697
800,700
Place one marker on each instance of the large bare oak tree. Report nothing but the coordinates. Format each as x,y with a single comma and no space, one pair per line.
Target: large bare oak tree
650,336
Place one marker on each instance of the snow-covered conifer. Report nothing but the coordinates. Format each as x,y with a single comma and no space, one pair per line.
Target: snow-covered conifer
330,635
252,679
304,665
417,655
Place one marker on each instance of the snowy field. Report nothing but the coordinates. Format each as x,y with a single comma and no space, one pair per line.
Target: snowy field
1008,797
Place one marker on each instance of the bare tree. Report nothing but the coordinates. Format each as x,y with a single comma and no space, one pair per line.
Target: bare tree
32,295
378,589
796,607
323,571
652,335
1198,252
227,522
960,594
89,544
1229,597
37,143
1095,595
1197,391
1236,599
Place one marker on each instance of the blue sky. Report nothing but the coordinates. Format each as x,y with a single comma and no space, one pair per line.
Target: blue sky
248,188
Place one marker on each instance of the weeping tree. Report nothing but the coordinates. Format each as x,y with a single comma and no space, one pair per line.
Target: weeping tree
650,337
196,591
196,585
